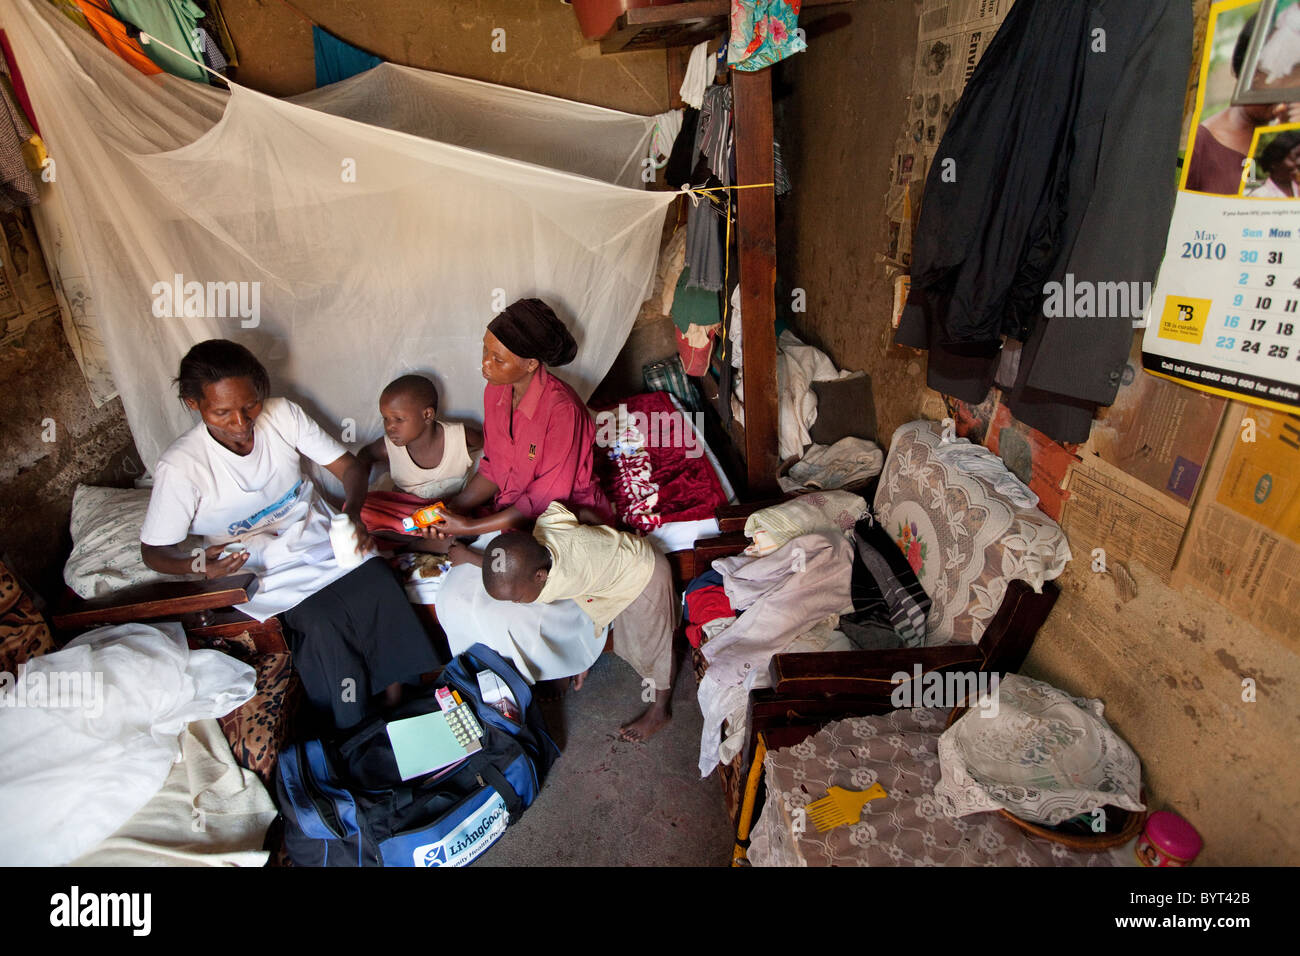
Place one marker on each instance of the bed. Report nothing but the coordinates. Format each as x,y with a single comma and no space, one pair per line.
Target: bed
674,502
989,597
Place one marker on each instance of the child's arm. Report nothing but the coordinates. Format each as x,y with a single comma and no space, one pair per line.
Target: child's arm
473,439
369,454
460,554
587,515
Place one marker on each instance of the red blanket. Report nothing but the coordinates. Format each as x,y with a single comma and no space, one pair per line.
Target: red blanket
651,463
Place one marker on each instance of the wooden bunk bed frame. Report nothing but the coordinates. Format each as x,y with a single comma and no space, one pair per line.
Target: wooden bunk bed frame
751,450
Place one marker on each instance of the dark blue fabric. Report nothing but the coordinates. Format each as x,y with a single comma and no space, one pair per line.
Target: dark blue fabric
707,579
336,60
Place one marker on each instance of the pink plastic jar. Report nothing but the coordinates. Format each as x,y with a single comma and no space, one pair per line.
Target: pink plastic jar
1167,840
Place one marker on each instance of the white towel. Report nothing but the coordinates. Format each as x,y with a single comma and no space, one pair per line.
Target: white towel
667,126
697,75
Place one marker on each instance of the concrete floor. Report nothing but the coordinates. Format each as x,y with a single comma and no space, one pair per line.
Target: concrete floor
608,803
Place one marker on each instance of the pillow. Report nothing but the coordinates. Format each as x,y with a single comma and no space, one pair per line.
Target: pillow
770,528
106,542
23,632
258,730
966,526
845,409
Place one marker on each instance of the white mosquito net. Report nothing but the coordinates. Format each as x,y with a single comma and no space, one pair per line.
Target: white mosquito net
346,236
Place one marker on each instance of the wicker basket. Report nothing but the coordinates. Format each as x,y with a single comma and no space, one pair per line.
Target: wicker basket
1131,825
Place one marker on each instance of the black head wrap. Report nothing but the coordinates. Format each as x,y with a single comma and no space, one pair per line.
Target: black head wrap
530,329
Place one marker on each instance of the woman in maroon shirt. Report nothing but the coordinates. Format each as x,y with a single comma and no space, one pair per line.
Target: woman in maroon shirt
537,433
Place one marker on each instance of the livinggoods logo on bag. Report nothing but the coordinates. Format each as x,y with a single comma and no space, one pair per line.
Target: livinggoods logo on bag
179,299
480,829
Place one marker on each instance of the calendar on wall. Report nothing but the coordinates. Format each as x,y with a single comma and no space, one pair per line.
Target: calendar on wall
1225,312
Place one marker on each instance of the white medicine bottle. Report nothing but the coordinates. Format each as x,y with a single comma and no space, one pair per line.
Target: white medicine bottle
343,538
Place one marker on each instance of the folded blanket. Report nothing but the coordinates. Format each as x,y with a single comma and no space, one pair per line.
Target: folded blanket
823,511
652,465
210,812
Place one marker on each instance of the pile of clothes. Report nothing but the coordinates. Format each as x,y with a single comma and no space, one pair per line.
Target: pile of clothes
820,575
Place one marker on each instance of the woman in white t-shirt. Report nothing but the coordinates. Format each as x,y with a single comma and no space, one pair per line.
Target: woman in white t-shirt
237,479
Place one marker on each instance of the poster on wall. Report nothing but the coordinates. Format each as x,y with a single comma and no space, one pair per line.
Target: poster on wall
1225,311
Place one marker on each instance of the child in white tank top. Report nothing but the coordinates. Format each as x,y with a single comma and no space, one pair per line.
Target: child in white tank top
428,460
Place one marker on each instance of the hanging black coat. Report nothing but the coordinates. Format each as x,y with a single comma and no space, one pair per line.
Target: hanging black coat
1060,158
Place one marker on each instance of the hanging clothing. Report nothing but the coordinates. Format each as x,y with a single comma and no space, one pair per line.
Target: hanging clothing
715,143
16,78
174,22
73,12
336,60
705,255
17,187
692,305
695,347
664,135
763,32
780,178
1034,181
677,171
212,54
214,24
113,32
699,74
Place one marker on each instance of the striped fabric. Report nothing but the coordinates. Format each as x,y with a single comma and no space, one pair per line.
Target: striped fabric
670,376
884,588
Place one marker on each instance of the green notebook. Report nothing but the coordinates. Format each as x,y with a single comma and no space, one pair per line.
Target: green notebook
432,741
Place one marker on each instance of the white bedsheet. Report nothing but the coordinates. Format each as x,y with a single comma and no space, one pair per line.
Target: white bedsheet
70,775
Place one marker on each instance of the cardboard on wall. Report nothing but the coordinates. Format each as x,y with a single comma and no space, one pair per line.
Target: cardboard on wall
26,293
1157,431
1125,517
1247,566
1261,479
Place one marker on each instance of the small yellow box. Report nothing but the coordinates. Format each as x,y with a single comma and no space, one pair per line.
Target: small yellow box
1184,319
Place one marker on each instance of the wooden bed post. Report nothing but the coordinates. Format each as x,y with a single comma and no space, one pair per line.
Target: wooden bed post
756,251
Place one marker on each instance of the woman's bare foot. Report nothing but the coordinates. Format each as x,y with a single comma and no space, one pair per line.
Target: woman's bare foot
645,726
580,679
